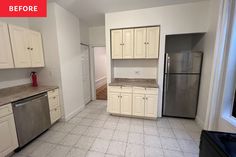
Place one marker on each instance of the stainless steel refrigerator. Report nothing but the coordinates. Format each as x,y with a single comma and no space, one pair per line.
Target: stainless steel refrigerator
181,84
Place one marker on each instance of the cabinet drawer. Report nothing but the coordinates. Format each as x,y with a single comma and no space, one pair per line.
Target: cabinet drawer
126,89
5,110
55,114
152,91
115,88
53,102
53,93
139,90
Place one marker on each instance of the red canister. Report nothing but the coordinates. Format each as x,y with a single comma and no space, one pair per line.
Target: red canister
34,79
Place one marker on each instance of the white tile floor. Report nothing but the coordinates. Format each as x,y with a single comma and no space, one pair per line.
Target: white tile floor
94,133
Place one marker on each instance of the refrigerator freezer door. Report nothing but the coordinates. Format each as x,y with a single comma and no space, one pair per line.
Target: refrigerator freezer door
184,62
181,95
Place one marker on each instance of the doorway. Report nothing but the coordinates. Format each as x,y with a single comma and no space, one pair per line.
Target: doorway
85,61
100,73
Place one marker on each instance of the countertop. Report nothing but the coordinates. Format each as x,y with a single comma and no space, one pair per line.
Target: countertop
8,95
147,83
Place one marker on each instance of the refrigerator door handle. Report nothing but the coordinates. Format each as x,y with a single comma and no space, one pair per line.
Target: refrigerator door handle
165,92
168,72
166,62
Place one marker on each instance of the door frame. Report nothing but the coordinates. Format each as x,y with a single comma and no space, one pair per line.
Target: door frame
92,71
90,78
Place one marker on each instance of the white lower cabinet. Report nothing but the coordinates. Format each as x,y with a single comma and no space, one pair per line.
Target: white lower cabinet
8,137
114,102
54,105
138,105
136,101
151,106
126,103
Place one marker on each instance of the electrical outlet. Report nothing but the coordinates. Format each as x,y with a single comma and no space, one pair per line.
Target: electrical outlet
137,72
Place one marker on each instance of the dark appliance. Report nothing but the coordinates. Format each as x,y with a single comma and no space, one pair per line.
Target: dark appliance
217,144
31,117
181,84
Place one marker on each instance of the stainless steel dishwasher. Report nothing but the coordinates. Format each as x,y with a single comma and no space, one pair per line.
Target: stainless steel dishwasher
31,117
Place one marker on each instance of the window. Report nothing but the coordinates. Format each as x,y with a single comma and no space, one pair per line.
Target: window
234,105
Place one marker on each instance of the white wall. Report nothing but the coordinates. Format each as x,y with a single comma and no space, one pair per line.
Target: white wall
100,66
97,36
14,77
84,32
175,19
51,74
226,122
23,22
143,69
61,39
209,44
68,34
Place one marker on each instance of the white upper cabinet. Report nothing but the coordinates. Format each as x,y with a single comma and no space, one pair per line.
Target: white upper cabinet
140,43
152,44
27,47
137,43
117,44
21,52
128,43
6,60
37,58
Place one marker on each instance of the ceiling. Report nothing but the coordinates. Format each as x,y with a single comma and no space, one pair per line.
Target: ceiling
93,12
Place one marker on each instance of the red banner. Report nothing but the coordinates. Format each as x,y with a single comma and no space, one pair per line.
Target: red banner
23,8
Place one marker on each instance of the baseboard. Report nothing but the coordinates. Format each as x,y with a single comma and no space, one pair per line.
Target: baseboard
74,113
200,122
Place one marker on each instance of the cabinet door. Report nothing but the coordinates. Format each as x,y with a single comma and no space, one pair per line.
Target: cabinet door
114,103
151,106
126,103
20,46
116,48
128,43
153,36
36,48
55,114
8,138
6,60
138,104
140,43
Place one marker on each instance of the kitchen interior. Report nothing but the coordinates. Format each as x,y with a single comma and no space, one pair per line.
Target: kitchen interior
158,83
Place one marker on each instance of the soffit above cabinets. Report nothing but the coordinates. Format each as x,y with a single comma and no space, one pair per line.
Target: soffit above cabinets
93,11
